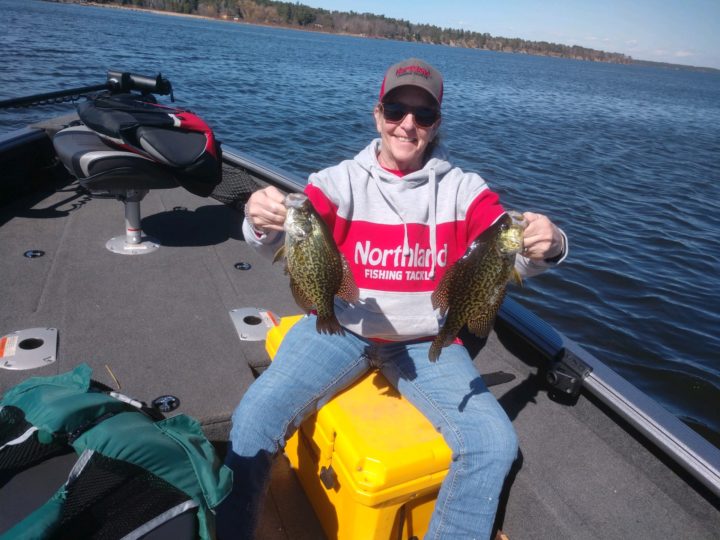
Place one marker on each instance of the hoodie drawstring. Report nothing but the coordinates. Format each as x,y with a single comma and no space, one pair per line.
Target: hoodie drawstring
388,199
432,184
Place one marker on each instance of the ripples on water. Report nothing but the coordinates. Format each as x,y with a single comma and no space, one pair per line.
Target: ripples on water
625,159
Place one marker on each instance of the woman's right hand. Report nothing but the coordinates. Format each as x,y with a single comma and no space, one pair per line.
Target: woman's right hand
265,210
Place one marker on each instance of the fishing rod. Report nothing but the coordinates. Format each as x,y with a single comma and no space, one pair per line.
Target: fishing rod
117,82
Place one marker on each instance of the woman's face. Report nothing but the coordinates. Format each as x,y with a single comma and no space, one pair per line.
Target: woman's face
403,143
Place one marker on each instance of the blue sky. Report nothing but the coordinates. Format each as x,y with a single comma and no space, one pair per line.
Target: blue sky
681,32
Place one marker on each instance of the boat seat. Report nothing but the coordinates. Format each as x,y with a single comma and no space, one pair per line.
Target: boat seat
110,172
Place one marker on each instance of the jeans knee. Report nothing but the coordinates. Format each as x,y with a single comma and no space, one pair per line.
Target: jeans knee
256,428
507,452
494,446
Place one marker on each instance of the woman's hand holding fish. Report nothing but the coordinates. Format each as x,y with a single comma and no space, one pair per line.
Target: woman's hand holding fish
542,238
265,209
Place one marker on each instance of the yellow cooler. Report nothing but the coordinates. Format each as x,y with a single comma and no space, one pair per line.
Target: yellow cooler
369,462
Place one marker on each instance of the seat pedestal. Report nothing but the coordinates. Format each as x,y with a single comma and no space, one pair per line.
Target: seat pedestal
133,243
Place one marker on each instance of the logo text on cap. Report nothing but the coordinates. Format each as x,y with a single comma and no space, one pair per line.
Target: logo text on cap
412,69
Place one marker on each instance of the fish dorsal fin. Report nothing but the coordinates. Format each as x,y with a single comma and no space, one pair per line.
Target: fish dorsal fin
348,288
441,295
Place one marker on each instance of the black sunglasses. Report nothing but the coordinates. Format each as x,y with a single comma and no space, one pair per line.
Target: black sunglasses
423,117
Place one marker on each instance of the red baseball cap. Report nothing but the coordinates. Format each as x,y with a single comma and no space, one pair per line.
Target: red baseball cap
413,72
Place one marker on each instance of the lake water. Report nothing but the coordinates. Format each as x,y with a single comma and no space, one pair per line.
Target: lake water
626,159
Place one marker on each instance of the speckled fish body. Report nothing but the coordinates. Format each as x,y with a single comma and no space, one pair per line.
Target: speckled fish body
316,268
472,290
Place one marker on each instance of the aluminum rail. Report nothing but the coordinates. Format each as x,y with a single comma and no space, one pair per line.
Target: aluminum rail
117,81
50,97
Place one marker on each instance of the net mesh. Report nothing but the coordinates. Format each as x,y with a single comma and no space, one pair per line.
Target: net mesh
235,188
112,498
31,451
12,423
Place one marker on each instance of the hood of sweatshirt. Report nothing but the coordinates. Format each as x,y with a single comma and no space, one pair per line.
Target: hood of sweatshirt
438,162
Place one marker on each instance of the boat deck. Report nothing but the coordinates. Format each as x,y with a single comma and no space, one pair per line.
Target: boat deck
159,324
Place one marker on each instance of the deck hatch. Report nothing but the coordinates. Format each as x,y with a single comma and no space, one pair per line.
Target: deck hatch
28,349
252,324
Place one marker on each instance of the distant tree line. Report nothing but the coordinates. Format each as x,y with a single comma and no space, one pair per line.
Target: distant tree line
365,24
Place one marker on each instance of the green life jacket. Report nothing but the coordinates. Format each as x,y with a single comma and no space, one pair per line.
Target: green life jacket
133,473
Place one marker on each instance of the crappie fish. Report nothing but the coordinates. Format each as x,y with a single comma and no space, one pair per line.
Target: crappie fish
472,290
317,270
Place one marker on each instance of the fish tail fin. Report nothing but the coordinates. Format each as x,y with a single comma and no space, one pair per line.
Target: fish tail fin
328,324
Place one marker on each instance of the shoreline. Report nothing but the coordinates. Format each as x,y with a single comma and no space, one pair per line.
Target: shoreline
633,61
219,19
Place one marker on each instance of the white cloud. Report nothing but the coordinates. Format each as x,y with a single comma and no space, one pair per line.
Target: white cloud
683,54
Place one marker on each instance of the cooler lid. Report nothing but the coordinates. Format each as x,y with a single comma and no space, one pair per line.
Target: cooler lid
380,440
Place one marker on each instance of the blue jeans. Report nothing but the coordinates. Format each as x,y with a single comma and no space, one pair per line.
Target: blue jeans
310,368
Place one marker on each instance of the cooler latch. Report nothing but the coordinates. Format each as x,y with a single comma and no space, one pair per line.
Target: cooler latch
327,477
327,473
